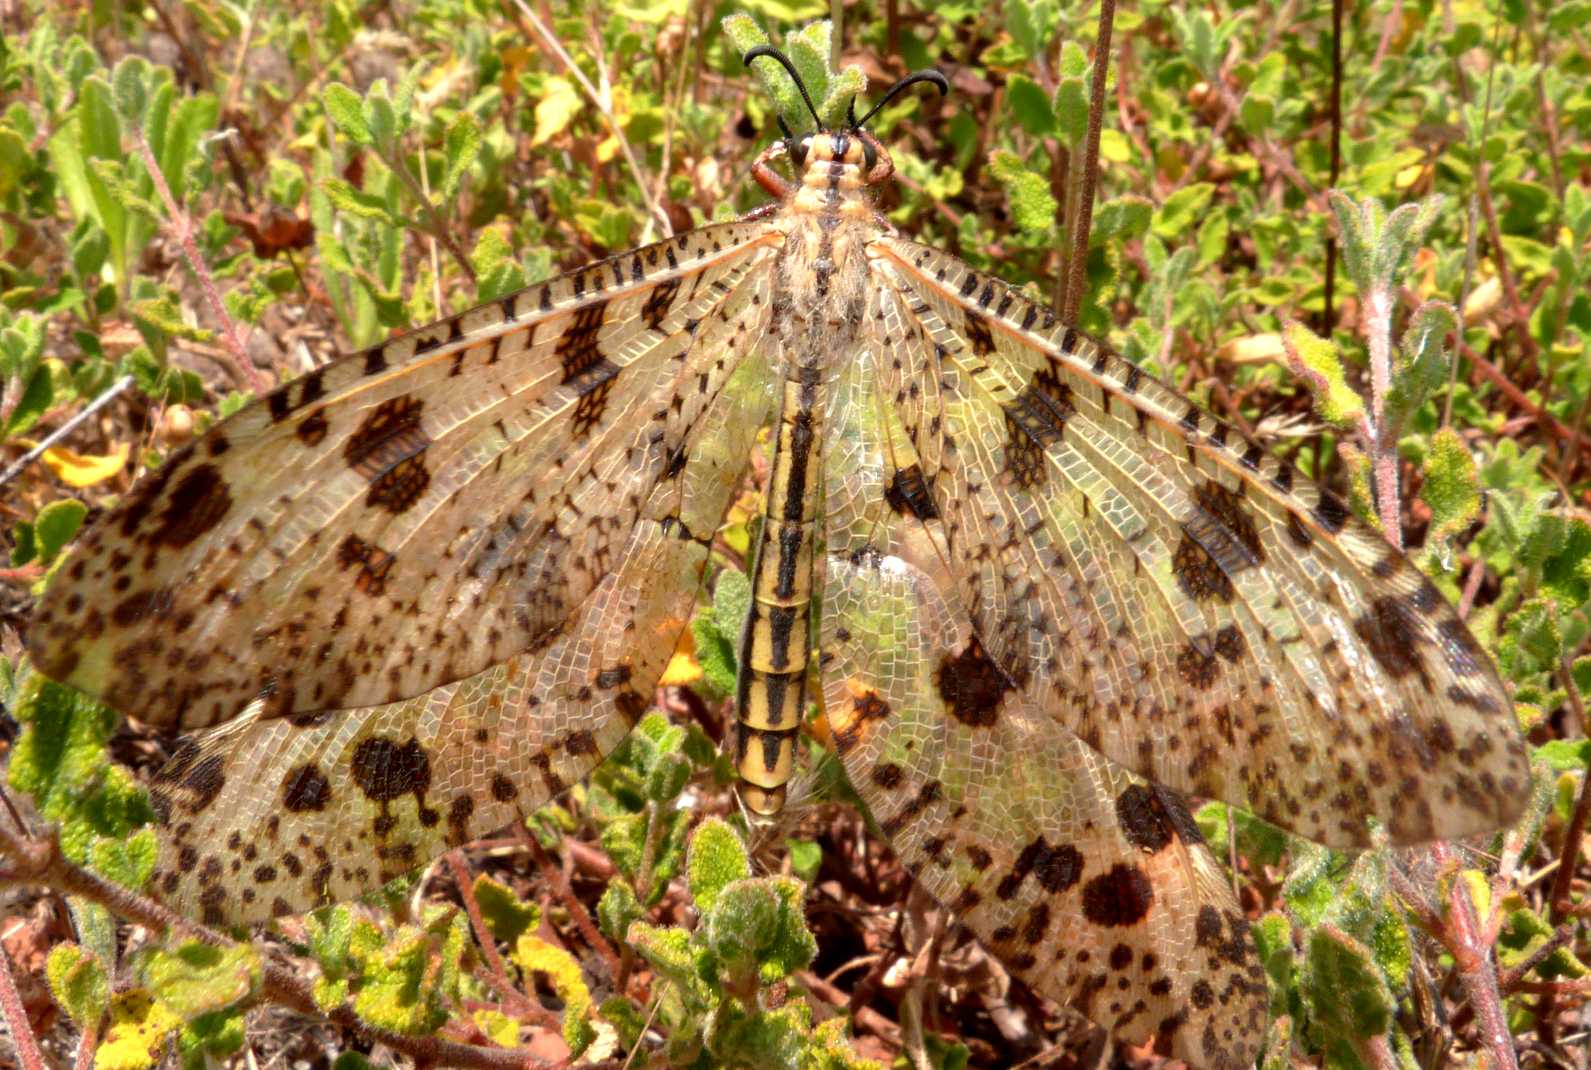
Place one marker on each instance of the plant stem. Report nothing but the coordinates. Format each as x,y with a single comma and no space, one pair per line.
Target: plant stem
65,429
1379,305
1077,271
1335,108
183,228
16,1018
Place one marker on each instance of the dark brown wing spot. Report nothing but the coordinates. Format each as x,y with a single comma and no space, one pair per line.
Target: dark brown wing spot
1198,573
577,348
312,428
909,492
926,796
199,775
399,487
198,503
888,775
305,788
972,686
1390,629
1119,897
1144,820
978,334
389,435
1055,868
385,770
502,788
1197,665
657,305
374,564
1330,512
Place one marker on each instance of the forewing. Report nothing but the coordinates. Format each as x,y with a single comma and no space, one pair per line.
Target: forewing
408,516
275,816
1090,884
1188,605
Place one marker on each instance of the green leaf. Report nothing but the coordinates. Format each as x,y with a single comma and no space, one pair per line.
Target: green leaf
380,119
559,104
348,112
130,88
667,777
1314,360
79,984
535,955
357,203
397,990
37,396
1422,362
1121,219
1182,210
461,146
210,1038
197,978
1071,110
129,862
793,946
1346,992
506,915
1030,104
1452,485
806,857
618,909
1032,206
741,922
716,859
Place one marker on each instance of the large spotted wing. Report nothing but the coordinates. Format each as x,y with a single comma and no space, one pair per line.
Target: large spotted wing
414,514
1186,604
1088,882
269,816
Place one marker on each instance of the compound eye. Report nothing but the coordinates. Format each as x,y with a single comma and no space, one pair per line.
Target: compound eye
798,150
869,156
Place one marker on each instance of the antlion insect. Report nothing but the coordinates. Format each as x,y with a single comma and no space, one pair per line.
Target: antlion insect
427,587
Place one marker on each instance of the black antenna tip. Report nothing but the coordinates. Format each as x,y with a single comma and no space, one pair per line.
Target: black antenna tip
930,75
784,61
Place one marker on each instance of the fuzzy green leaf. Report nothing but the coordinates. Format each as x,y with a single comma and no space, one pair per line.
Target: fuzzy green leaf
1314,360
618,909
1032,206
79,984
56,525
461,146
1121,219
506,915
535,955
356,202
716,859
1071,110
1452,485
1030,105
1422,362
130,88
1183,210
1347,993
348,112
196,978
396,991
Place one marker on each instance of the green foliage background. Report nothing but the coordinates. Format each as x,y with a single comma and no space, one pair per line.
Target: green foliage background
345,169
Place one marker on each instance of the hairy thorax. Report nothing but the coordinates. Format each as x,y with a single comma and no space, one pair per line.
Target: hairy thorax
819,286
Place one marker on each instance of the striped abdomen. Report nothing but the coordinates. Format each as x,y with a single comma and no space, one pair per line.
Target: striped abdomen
771,691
